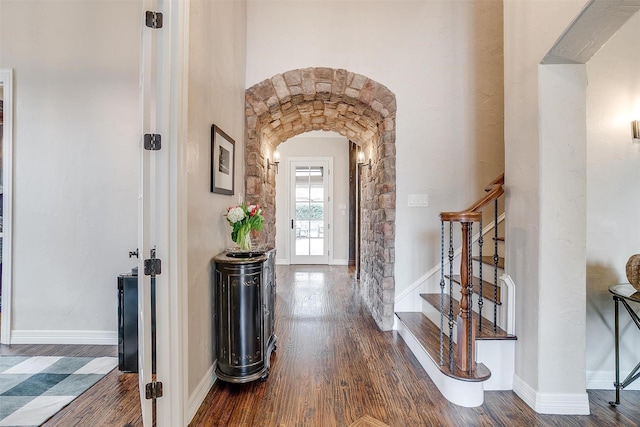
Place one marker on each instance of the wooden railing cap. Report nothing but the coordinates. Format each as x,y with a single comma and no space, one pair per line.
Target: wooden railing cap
474,212
464,216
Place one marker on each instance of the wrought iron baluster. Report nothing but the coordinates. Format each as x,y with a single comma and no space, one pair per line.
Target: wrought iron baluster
450,297
470,293
480,297
441,292
495,267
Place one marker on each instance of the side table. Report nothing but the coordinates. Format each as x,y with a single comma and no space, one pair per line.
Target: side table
624,293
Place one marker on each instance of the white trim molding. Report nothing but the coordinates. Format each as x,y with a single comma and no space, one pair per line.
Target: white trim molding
64,337
6,80
552,403
508,290
200,392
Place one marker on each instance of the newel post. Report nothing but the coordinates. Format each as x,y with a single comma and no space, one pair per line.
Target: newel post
466,346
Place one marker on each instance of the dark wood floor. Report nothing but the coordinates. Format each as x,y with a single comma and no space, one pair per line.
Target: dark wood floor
333,367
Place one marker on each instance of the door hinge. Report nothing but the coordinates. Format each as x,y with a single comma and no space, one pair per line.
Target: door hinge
152,141
153,265
153,19
153,390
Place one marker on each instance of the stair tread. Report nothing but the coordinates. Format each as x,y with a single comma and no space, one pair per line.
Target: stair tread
489,260
487,287
428,335
486,331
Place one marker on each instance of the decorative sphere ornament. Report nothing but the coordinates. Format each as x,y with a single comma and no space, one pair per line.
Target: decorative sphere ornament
633,271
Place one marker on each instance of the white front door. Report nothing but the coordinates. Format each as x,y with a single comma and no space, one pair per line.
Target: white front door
310,210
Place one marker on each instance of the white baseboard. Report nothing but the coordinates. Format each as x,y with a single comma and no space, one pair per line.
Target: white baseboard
200,393
603,380
551,403
64,337
335,261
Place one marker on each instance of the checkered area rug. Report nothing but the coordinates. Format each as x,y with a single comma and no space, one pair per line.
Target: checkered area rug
33,389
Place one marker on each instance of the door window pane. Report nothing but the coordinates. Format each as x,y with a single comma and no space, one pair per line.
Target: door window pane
310,209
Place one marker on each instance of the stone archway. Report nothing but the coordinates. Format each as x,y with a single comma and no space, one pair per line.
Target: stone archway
358,108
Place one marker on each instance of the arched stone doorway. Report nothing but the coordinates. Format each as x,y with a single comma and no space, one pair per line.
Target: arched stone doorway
358,108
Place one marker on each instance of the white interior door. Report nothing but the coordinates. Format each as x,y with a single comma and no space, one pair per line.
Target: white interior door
310,189
162,215
145,227
149,223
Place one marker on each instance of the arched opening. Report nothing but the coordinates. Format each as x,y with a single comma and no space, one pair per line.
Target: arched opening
358,108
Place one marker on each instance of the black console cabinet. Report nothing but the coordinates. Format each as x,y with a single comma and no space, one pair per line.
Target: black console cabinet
244,287
128,321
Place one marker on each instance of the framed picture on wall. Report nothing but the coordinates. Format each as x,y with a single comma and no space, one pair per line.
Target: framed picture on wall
223,160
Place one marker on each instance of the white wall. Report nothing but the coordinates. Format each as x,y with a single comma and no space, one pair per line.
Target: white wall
321,144
561,290
216,96
442,59
531,28
76,162
613,200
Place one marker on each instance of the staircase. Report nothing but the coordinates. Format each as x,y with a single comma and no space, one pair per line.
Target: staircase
464,335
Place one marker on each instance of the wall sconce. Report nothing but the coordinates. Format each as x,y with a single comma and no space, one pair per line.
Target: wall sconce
275,162
360,159
635,129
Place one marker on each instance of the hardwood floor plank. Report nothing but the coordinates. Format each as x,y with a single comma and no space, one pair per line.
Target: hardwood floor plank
113,401
332,367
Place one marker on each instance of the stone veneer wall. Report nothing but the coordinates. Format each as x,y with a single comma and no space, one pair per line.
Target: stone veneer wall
358,108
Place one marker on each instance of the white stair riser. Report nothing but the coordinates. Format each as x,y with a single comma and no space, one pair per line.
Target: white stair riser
488,248
433,314
487,271
487,307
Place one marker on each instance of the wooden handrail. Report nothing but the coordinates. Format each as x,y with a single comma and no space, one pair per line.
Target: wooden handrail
498,181
473,212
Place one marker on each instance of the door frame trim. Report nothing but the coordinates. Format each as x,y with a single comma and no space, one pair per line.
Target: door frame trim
6,79
328,217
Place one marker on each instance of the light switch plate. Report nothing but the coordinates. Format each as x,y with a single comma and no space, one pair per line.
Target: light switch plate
418,200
